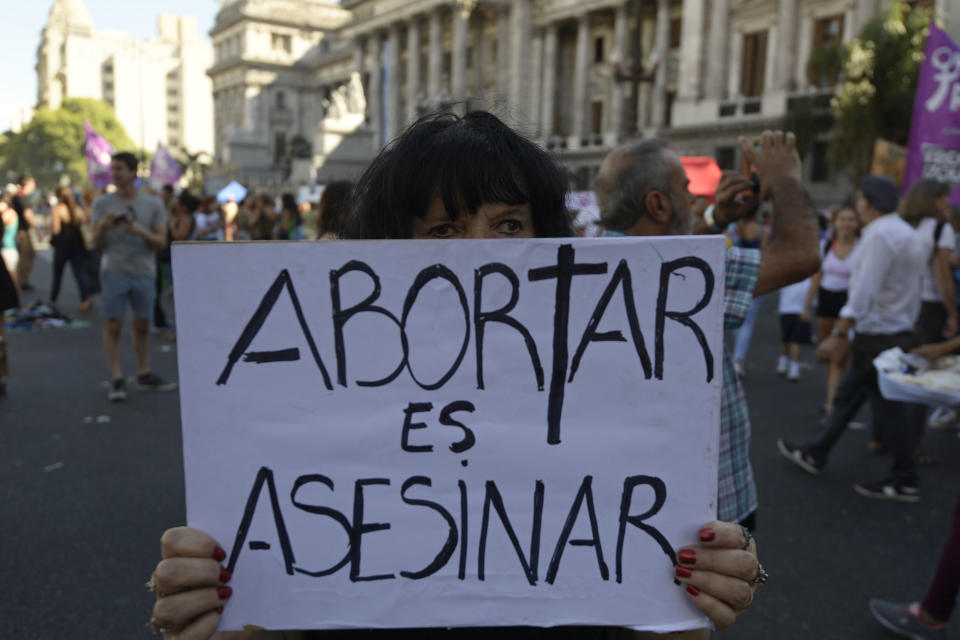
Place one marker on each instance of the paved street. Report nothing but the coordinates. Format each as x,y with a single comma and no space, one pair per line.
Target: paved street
87,486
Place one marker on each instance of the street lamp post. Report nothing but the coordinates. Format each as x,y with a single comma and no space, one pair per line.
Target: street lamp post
636,73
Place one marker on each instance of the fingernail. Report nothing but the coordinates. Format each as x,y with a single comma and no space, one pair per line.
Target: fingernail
224,575
687,556
220,609
219,554
707,535
683,572
224,592
692,590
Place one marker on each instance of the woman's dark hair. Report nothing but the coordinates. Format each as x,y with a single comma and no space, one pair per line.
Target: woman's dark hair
334,205
289,203
465,161
921,197
64,196
188,201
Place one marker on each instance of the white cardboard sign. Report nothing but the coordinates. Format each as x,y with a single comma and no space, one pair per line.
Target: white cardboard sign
465,433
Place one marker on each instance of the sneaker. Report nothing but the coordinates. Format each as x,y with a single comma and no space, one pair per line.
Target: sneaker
904,619
800,457
782,364
943,418
153,382
738,368
793,375
118,391
888,489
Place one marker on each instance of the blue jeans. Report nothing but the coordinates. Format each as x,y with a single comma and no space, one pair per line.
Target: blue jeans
744,334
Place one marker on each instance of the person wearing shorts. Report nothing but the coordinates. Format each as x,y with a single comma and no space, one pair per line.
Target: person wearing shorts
129,227
794,330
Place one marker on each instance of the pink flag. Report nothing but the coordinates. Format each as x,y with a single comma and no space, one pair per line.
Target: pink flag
164,167
98,157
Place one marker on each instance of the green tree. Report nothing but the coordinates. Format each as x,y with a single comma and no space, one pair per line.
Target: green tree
51,145
880,71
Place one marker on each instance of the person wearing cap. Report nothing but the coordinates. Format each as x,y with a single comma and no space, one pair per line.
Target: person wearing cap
881,311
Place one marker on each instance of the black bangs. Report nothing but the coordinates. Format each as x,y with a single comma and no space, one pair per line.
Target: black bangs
467,162
475,165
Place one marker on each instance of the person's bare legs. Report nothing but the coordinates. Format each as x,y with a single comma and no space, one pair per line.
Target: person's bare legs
111,345
141,344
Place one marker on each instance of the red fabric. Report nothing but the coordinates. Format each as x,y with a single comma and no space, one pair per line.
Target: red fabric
704,174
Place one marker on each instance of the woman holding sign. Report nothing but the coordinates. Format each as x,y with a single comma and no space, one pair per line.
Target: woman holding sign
466,178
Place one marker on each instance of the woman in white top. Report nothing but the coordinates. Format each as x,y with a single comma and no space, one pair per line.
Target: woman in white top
830,286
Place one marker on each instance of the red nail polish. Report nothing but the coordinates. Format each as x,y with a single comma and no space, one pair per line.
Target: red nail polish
219,554
220,609
683,572
224,592
687,556
707,535
224,575
692,590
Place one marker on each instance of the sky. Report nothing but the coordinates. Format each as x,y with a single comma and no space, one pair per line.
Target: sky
24,21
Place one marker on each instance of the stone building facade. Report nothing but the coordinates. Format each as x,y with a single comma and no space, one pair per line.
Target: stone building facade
268,56
157,87
573,74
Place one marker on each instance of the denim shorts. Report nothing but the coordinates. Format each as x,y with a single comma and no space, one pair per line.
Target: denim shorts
117,288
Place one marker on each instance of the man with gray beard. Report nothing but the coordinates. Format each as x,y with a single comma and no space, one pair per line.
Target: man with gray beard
642,190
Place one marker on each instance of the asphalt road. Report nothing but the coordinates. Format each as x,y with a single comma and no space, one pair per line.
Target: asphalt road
87,486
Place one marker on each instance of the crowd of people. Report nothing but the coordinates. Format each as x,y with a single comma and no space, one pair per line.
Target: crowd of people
874,273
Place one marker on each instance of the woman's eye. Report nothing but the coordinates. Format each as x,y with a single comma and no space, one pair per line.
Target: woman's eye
442,231
510,226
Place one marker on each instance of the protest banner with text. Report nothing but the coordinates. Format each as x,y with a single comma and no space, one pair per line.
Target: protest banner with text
465,433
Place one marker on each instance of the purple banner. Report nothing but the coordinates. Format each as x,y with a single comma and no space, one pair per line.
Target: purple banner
98,157
934,147
164,167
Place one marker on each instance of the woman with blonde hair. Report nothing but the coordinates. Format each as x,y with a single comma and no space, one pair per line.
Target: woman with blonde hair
66,219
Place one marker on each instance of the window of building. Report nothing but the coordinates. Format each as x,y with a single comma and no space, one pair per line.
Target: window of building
820,168
281,100
596,117
676,29
754,64
824,65
279,146
598,50
727,158
281,41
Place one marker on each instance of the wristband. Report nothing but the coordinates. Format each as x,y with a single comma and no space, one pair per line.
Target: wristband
836,332
710,220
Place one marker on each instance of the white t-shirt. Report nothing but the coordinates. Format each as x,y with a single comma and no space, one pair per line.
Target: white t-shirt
884,294
836,272
925,230
206,220
793,296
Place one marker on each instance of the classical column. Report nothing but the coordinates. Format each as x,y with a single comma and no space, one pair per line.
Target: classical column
460,19
785,78
435,60
536,82
620,45
520,55
479,56
689,80
581,61
718,50
393,82
659,108
503,52
374,43
413,69
358,56
548,104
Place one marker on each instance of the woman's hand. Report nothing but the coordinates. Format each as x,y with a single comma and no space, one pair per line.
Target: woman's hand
721,573
189,582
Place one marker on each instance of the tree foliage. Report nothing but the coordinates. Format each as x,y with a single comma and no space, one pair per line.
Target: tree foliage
51,146
880,79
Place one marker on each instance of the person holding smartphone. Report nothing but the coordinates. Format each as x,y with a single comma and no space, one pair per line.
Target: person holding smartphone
129,227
